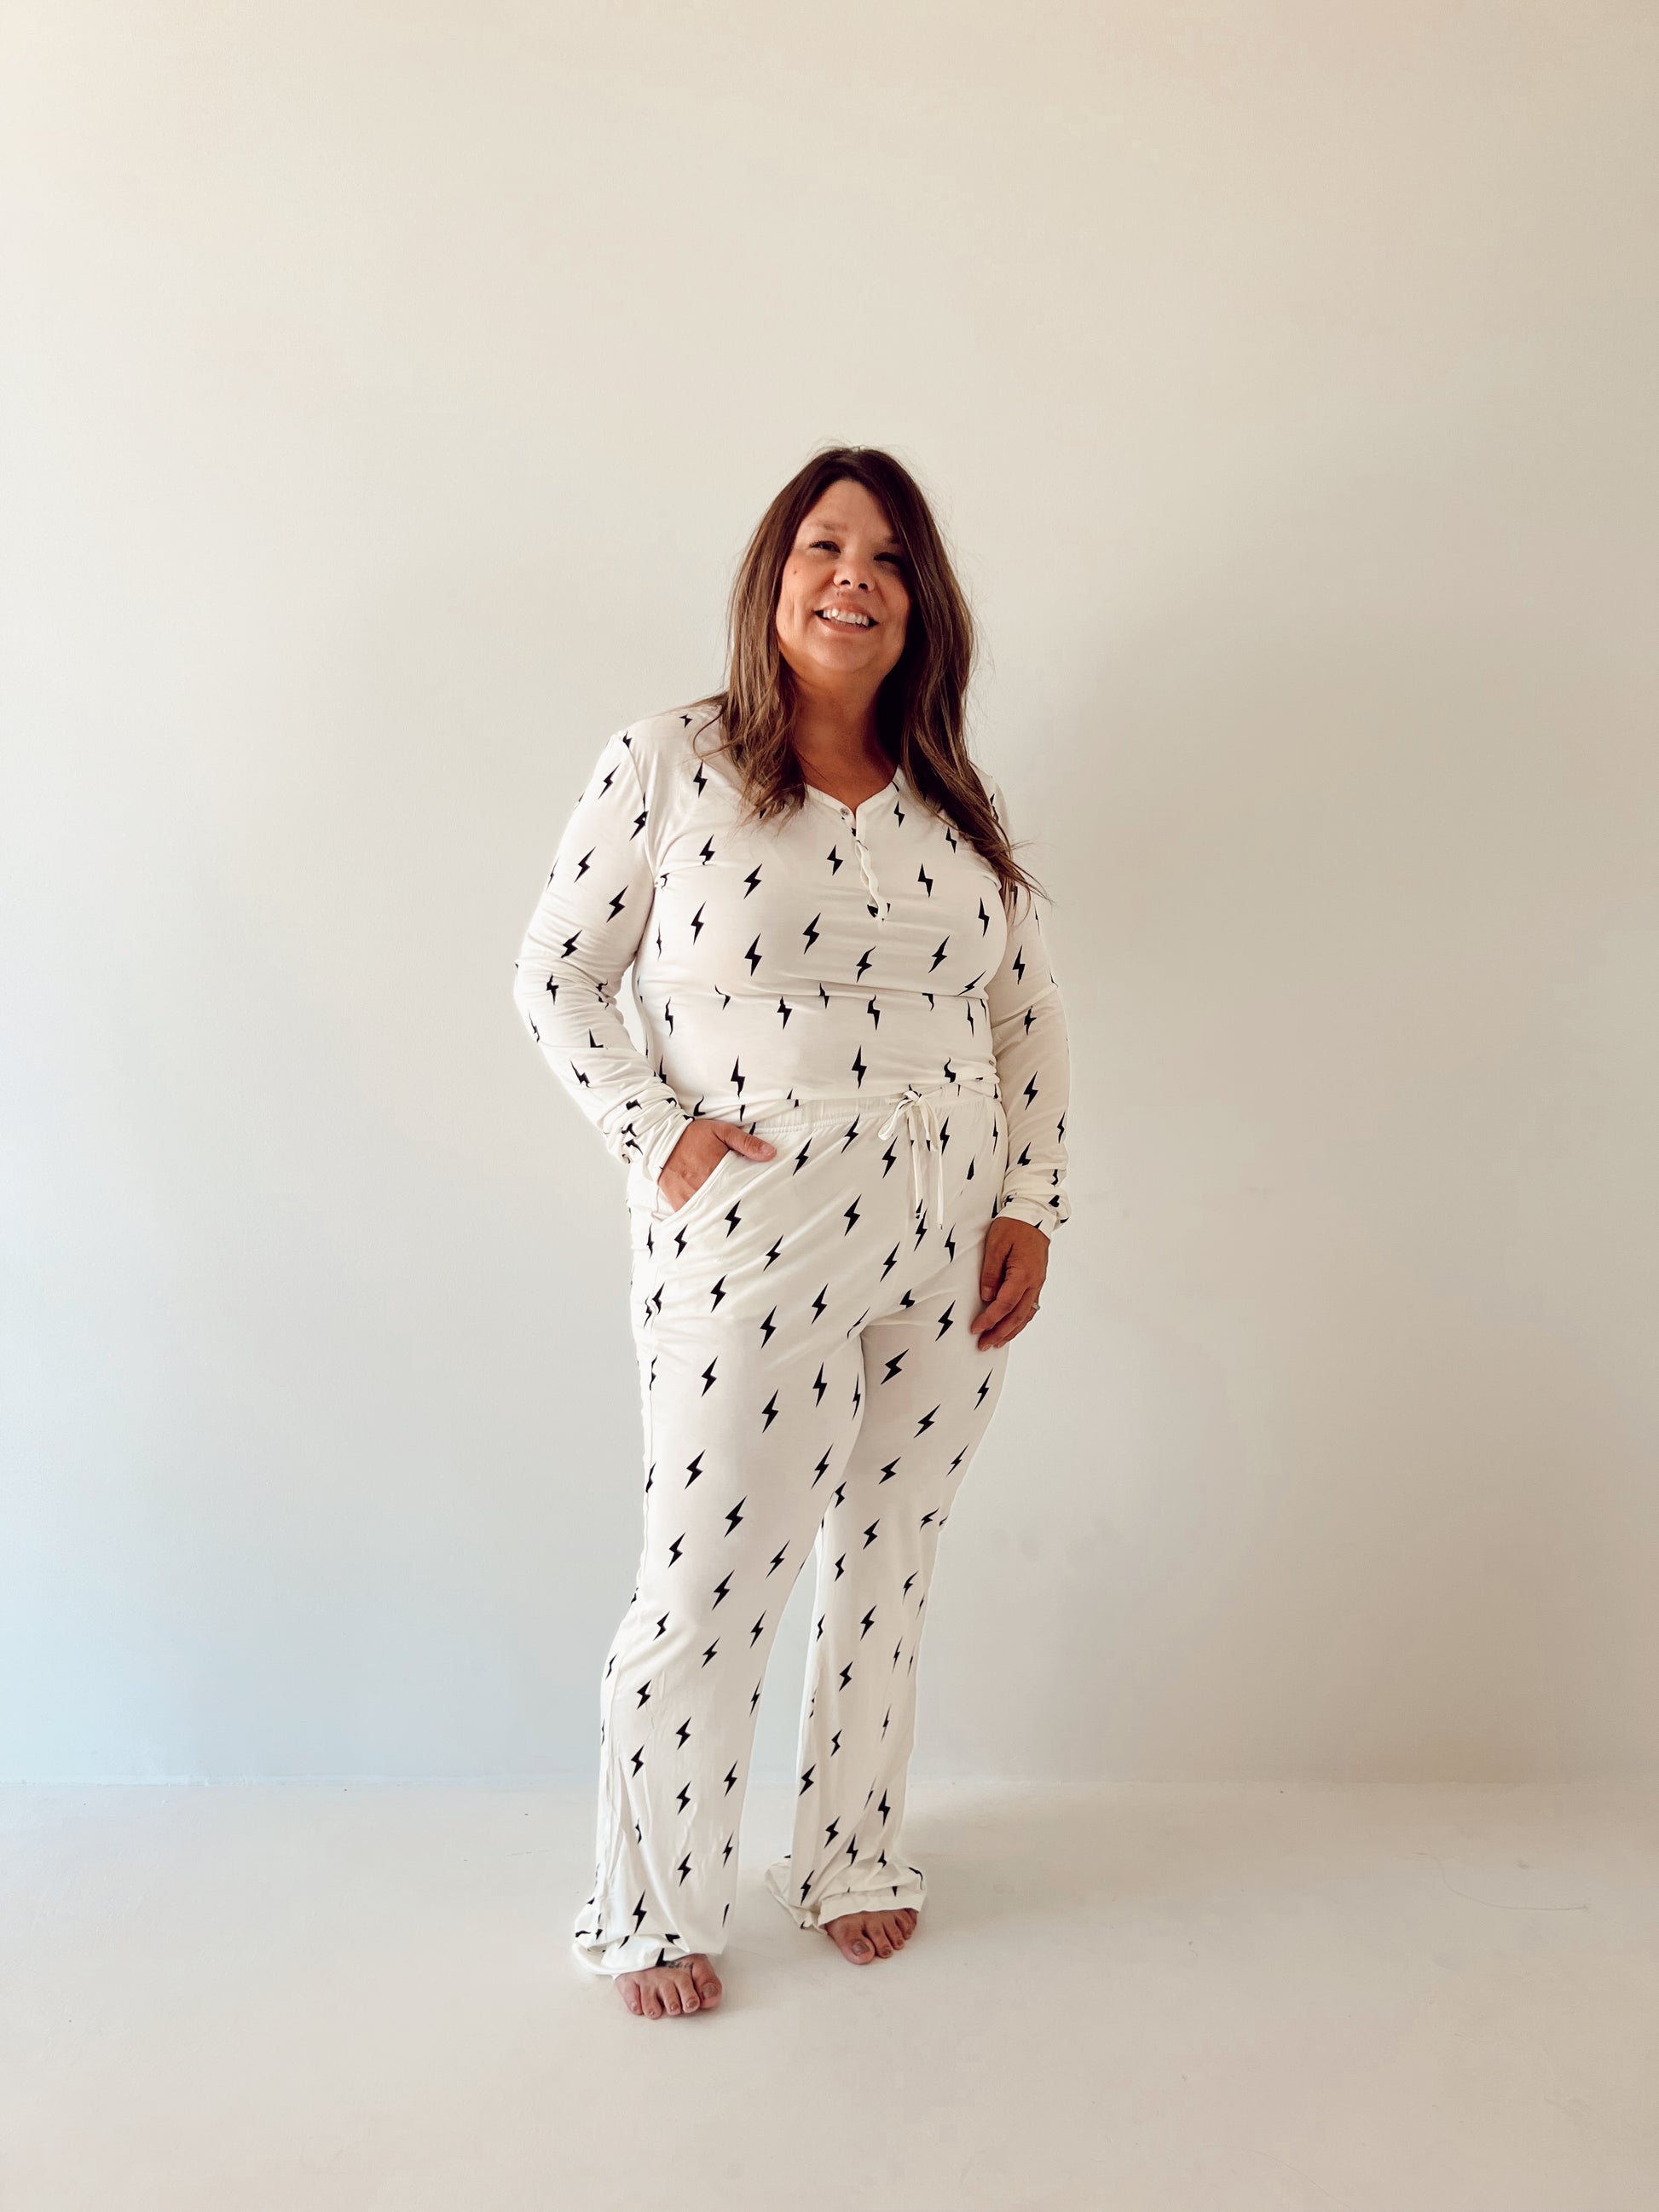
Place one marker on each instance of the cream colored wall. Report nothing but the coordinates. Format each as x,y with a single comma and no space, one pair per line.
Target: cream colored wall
390,391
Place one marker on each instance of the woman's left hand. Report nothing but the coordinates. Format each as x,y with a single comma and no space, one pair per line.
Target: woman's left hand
1011,1275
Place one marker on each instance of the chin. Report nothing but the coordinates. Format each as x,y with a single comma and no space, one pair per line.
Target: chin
840,663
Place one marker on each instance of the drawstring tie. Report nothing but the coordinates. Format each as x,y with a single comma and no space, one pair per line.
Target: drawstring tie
916,1110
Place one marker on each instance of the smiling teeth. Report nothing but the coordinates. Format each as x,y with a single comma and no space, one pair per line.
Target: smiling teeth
849,621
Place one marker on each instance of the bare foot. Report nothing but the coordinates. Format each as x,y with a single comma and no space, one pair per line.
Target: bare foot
690,1984
861,1936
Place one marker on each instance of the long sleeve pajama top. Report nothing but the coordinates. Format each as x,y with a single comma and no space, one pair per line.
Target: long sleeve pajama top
835,954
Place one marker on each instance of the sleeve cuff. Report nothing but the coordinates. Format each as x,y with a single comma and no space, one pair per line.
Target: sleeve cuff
1032,1211
648,1132
659,1136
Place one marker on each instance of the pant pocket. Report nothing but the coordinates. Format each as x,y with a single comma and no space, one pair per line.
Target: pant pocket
662,1210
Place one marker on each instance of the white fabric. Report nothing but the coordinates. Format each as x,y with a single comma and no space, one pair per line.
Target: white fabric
916,1110
845,983
835,952
809,1379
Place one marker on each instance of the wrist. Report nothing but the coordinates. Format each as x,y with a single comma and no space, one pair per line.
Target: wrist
1030,1211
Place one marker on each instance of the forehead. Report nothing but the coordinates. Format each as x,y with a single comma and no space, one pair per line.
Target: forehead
843,507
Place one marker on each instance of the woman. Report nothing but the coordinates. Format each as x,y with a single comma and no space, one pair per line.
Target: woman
846,1150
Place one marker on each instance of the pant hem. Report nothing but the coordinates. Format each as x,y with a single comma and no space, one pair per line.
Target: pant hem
611,1960
906,1894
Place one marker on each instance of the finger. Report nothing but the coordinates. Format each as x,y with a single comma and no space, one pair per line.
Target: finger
1017,1294
1015,1282
1006,1304
992,1269
1006,1331
739,1139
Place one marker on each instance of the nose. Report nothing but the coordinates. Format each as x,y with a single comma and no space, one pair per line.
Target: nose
854,570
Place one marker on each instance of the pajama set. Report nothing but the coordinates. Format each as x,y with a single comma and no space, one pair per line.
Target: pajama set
845,983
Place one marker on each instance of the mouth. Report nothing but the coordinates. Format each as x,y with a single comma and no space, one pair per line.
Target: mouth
843,618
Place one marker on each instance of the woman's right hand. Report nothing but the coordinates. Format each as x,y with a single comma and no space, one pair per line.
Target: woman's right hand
699,1152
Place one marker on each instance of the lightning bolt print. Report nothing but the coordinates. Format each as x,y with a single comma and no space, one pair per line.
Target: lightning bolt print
856,985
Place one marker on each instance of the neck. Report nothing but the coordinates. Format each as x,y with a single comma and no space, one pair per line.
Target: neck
836,732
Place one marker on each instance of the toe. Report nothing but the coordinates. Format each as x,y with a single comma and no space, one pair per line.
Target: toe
685,1988
847,1933
650,2003
708,1984
855,1940
630,1994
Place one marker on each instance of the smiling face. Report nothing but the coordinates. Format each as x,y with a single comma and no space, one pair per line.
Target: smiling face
843,602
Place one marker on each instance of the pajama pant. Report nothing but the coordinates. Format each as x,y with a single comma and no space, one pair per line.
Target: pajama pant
808,1377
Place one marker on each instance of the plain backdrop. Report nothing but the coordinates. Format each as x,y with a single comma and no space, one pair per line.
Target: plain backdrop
389,393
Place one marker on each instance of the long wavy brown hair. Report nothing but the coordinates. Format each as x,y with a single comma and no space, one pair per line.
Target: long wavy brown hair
922,705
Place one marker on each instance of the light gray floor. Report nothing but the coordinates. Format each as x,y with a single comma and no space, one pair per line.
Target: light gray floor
1387,1999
